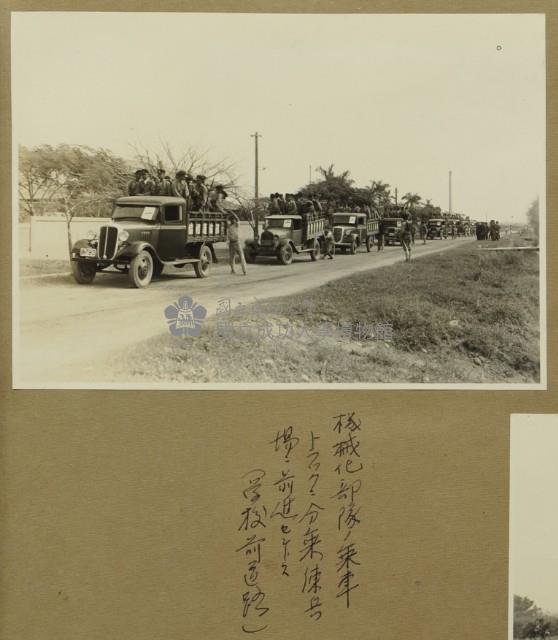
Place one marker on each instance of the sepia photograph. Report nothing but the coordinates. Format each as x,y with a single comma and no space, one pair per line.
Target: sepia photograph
269,201
533,580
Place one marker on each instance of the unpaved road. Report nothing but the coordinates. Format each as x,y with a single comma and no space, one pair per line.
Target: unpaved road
69,334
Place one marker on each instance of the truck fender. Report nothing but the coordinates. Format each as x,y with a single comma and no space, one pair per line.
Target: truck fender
131,250
80,244
285,241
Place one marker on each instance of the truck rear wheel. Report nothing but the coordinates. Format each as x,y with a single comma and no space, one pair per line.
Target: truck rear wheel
285,255
369,243
83,272
316,252
202,267
141,270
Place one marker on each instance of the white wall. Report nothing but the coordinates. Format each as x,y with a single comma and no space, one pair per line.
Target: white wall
46,235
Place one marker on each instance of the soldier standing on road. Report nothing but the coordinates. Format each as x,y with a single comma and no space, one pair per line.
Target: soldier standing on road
329,243
423,231
235,249
381,235
405,238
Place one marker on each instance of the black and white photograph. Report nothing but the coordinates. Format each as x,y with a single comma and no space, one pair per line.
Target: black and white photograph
269,201
533,579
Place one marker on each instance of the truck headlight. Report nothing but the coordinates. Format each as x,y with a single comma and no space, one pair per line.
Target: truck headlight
123,236
91,235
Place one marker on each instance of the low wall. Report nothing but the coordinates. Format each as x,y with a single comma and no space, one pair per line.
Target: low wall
45,236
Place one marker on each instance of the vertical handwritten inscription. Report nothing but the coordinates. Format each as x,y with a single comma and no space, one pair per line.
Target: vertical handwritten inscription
285,442
307,497
348,467
254,610
311,554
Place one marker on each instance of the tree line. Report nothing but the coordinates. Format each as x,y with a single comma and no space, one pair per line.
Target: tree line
529,621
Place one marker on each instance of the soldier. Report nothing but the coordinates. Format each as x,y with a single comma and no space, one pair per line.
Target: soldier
329,243
134,184
381,235
423,231
235,248
317,207
218,199
163,185
200,193
290,204
274,207
281,202
147,186
405,238
180,186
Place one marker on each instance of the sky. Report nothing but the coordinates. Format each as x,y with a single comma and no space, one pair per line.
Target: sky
534,509
398,98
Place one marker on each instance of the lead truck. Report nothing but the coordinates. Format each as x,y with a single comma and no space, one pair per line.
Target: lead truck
147,233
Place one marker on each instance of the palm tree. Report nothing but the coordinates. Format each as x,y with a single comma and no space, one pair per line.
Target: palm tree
411,199
380,191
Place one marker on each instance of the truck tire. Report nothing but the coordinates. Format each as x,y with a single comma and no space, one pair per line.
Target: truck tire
316,252
285,255
202,267
83,272
141,270
353,247
369,243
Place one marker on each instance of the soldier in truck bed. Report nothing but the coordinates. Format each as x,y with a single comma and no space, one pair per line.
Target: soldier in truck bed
179,187
199,194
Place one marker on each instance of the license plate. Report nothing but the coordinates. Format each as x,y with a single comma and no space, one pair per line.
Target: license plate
87,252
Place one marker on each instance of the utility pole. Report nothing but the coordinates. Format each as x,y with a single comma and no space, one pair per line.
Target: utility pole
256,136
395,196
309,174
450,209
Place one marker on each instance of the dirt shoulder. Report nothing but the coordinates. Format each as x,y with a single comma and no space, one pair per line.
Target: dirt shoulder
464,316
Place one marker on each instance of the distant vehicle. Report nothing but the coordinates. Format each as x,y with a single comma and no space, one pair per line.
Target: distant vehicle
437,228
391,228
354,230
285,235
147,233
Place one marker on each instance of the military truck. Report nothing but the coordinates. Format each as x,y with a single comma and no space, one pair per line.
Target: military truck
391,228
354,230
437,228
147,233
285,235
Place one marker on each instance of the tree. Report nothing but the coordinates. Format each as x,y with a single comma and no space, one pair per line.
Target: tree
332,186
411,200
192,161
74,179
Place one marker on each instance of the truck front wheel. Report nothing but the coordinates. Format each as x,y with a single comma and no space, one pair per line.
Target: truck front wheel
141,270
250,255
285,255
83,272
353,247
202,267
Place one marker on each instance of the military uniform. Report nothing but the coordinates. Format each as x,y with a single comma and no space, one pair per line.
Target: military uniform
180,186
405,237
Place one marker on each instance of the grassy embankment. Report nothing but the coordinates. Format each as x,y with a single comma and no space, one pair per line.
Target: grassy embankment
459,316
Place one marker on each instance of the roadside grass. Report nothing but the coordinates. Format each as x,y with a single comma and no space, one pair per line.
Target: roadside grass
460,316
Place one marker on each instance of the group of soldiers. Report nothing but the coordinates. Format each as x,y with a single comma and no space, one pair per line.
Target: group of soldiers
490,231
195,191
296,203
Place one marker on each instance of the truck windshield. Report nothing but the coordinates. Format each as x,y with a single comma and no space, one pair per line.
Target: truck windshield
279,223
344,219
135,212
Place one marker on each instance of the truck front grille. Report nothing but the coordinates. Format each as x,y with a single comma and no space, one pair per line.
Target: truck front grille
108,242
337,234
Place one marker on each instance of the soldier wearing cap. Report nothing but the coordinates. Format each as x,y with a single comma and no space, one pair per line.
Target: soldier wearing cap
180,186
163,185
274,207
290,204
200,194
134,184
217,199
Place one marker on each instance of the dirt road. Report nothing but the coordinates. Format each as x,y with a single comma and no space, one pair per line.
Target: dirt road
69,334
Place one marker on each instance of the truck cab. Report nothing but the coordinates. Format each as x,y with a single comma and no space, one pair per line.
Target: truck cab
353,230
145,234
437,228
391,227
285,235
